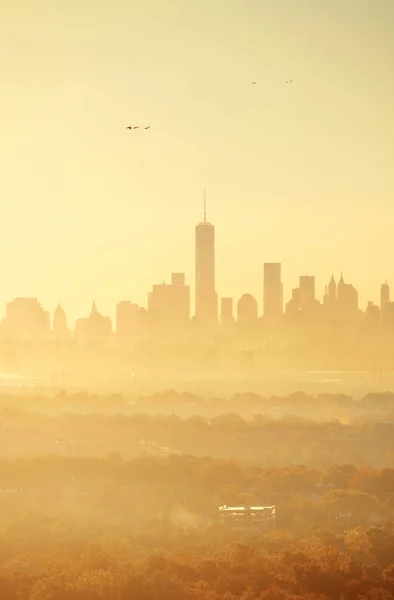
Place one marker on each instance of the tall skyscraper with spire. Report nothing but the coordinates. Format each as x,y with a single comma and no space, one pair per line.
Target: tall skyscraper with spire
206,296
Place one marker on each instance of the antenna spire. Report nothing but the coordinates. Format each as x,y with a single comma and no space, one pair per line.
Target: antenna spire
205,205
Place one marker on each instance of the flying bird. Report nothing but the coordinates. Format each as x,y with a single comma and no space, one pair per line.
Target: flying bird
136,127
253,83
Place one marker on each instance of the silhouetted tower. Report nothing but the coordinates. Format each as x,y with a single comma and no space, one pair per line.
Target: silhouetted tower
347,298
99,328
341,284
307,291
273,303
206,297
59,327
26,319
384,295
294,304
126,322
332,290
247,310
168,306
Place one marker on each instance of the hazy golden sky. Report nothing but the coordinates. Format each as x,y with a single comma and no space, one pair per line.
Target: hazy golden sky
301,174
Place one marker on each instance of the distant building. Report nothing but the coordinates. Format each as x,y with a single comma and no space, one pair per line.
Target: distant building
127,322
169,307
206,296
60,330
26,320
307,292
294,304
330,298
273,291
372,314
95,329
247,311
332,290
100,327
388,317
347,299
245,517
384,295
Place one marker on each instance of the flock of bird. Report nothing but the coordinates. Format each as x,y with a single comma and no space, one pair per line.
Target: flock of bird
255,82
148,127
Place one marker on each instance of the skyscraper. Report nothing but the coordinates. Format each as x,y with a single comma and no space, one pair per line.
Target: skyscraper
127,322
384,295
206,297
332,290
307,291
27,320
59,328
273,307
247,311
347,298
168,304
330,297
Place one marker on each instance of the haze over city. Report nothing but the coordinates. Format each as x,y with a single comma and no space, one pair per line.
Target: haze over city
298,174
197,306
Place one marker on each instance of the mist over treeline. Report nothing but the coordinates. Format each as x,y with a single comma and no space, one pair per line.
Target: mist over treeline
315,431
183,403
116,496
110,496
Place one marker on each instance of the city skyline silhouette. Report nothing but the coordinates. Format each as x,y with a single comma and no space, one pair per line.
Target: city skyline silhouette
206,295
300,174
209,299
209,309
